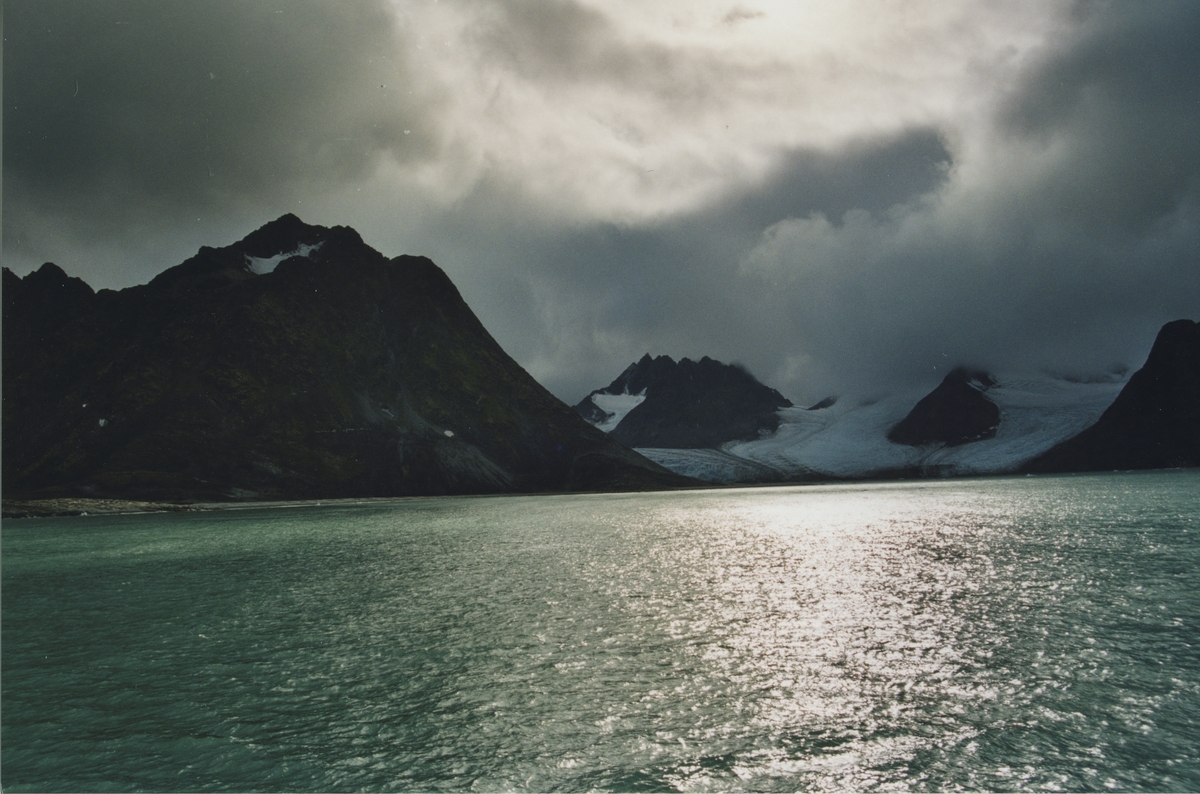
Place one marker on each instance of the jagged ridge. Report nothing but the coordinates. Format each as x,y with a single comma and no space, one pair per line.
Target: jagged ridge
688,404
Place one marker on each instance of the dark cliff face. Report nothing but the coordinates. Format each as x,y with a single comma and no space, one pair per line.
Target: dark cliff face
956,412
1155,421
338,373
689,404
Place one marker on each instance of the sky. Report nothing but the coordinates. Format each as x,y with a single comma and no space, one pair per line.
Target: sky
843,197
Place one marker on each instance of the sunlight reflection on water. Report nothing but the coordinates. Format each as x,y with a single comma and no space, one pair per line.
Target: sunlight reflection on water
829,622
994,634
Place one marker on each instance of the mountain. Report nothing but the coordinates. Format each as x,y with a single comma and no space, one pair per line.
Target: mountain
977,423
848,439
34,307
658,402
297,363
956,412
1154,422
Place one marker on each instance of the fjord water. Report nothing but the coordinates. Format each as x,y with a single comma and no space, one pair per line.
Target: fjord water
1002,634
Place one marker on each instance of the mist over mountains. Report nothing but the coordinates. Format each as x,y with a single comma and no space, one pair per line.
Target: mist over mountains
1155,421
972,423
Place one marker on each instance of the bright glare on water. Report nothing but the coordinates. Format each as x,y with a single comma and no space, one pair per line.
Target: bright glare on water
1001,634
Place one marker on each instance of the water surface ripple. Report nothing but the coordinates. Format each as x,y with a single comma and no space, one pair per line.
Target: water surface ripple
1001,634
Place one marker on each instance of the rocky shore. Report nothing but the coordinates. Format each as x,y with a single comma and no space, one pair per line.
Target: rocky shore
43,508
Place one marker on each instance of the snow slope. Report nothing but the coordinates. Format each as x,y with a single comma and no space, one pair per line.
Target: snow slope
616,406
849,438
260,266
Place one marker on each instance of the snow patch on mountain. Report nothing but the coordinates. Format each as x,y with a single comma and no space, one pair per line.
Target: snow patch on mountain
260,266
616,406
849,438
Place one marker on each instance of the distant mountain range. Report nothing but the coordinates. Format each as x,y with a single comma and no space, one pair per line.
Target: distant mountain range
297,363
973,422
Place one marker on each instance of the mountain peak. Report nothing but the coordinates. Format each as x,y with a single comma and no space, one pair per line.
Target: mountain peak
954,413
51,277
339,373
658,402
975,378
1153,423
49,270
261,251
285,233
48,288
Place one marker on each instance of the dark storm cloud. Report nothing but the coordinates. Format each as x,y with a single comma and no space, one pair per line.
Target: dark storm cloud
125,111
863,174
837,213
587,301
1126,98
1058,233
1068,243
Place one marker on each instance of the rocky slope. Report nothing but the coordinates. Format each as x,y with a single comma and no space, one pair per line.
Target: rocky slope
956,412
658,402
1154,422
297,363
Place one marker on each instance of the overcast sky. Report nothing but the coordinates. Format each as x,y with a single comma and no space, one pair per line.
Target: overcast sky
840,195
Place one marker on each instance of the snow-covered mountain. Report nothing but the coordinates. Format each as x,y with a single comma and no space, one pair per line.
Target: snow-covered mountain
849,439
660,402
972,423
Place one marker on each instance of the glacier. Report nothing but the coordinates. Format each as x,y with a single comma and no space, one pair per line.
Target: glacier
848,439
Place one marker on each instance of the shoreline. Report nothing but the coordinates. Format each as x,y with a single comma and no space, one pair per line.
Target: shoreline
71,506
80,506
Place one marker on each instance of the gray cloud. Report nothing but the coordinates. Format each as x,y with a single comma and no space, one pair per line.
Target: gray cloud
551,42
124,113
1072,241
740,14
577,304
1121,100
236,98
837,213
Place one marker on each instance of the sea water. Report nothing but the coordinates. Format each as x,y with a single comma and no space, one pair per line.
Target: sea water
1001,634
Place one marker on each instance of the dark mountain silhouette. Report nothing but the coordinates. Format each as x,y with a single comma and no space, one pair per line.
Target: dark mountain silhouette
297,363
35,307
1155,421
956,412
689,404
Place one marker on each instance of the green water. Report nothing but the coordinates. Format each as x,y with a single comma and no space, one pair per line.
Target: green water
1000,634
